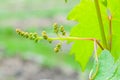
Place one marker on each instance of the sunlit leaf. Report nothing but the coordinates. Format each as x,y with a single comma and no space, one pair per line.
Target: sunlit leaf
114,6
85,14
81,54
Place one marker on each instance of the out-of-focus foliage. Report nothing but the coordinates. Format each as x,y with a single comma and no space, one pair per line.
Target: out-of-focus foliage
28,15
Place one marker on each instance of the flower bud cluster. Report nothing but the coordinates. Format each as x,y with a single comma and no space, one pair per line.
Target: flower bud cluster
62,30
58,29
57,48
36,38
45,36
31,36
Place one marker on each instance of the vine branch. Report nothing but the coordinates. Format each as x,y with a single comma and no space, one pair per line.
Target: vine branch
101,23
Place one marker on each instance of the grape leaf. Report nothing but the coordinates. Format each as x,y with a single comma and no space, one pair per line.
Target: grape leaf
107,66
85,14
81,54
114,6
116,75
116,46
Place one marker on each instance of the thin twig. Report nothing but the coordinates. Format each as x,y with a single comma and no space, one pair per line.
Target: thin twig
110,28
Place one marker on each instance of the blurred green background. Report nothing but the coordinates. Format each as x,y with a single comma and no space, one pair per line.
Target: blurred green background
35,16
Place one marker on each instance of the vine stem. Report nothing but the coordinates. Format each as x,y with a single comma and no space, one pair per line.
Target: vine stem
101,23
77,38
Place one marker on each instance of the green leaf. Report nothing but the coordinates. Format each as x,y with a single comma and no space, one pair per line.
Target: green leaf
116,75
107,66
114,6
81,54
85,14
116,46
88,27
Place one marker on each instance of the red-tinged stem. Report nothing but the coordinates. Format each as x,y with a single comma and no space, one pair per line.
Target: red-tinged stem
110,31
